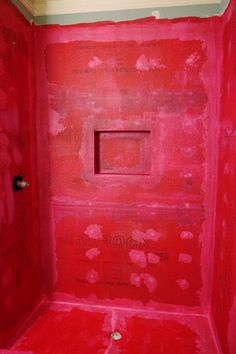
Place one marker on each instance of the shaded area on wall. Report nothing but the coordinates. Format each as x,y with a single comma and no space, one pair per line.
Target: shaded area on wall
224,289
19,244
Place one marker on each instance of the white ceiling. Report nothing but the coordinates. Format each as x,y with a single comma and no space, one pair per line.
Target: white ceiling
56,7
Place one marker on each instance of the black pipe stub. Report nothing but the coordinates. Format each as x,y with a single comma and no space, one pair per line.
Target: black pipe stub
19,184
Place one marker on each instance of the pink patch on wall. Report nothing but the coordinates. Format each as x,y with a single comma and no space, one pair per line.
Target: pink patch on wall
135,280
192,59
185,258
149,281
150,234
56,123
138,236
94,232
189,151
138,257
183,284
189,126
145,64
94,63
92,253
226,168
186,235
153,258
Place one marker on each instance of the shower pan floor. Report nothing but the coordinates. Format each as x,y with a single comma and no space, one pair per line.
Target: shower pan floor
85,329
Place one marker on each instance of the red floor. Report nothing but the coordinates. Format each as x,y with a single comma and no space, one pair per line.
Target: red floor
68,329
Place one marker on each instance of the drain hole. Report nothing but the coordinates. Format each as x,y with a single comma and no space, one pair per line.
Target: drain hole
116,336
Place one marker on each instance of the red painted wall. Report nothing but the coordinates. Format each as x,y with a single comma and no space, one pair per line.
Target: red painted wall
224,287
127,115
19,243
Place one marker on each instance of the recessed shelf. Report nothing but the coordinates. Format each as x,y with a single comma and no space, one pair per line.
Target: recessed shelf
122,152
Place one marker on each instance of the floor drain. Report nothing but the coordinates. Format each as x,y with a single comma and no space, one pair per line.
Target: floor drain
116,336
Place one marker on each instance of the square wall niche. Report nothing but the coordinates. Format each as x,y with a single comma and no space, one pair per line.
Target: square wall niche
122,152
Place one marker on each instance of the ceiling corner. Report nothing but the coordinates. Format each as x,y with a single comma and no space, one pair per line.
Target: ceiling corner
29,5
60,7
